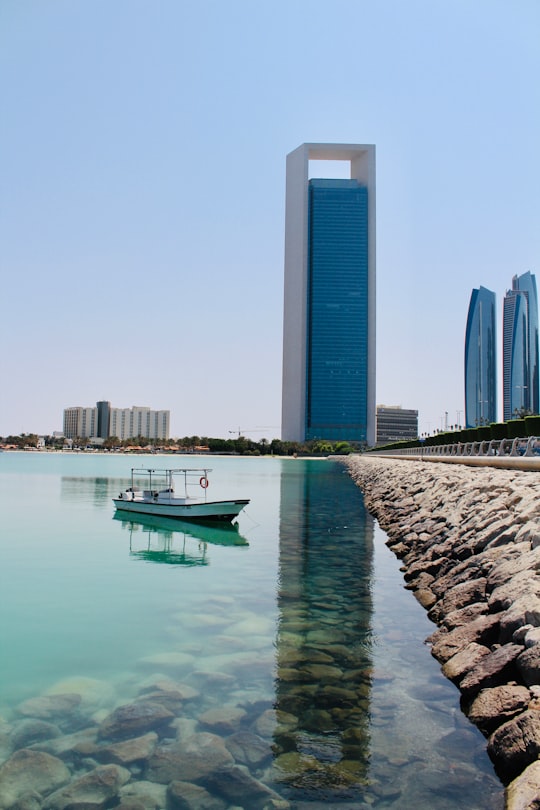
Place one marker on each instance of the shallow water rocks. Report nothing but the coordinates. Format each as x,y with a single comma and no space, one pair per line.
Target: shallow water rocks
469,539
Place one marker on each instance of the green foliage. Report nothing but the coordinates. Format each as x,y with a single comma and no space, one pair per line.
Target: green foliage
498,430
516,428
532,425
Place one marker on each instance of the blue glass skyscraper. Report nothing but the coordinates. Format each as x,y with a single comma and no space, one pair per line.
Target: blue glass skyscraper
329,300
520,348
481,360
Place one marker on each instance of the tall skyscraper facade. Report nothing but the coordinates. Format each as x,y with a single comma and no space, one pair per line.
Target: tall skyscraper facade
520,348
329,298
481,359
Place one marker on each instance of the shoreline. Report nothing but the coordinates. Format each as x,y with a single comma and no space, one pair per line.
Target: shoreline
469,541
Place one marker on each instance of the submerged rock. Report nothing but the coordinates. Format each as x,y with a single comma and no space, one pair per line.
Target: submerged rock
30,731
150,795
128,751
237,786
187,796
50,707
30,771
94,694
223,719
93,790
134,719
190,760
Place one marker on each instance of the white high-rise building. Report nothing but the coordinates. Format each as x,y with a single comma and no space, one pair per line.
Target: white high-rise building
127,423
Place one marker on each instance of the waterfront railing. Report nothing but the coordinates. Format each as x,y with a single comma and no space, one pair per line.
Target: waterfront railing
519,447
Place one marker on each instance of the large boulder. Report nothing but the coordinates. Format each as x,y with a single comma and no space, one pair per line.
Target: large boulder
482,630
525,610
494,669
515,745
524,792
463,661
528,663
493,707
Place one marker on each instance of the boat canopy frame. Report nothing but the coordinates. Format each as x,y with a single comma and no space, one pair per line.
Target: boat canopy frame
193,476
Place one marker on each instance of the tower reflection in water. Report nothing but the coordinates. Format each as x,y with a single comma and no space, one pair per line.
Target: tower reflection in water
323,679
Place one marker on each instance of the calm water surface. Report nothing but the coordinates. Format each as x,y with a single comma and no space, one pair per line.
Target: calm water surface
299,617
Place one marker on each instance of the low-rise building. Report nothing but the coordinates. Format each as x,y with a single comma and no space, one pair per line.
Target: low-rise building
395,424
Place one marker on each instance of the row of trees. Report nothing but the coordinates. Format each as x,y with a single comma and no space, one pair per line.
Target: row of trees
190,444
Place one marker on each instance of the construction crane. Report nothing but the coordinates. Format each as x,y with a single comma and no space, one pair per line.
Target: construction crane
260,429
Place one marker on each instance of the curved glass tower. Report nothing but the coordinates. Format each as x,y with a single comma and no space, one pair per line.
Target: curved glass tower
520,348
481,360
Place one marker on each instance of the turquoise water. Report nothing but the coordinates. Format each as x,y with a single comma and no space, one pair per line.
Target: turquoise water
299,617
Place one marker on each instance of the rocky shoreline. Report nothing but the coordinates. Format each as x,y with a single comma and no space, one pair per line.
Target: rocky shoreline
469,540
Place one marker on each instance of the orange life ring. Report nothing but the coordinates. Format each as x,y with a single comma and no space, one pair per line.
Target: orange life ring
204,482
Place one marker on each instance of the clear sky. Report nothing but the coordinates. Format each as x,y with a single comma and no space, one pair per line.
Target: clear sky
142,191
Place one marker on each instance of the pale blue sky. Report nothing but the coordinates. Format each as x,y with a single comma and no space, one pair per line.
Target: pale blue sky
142,185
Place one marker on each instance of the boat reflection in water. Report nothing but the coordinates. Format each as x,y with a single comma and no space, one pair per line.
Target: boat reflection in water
175,542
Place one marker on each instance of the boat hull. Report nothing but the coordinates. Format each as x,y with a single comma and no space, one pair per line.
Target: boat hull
196,511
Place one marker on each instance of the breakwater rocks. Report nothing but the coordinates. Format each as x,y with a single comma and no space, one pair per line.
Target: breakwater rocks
469,540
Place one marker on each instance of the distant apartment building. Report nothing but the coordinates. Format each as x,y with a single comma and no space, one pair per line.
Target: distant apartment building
80,422
103,421
395,424
126,423
481,359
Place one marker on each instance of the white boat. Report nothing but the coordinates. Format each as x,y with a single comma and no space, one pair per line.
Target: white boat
157,496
